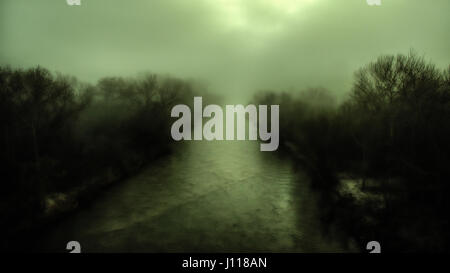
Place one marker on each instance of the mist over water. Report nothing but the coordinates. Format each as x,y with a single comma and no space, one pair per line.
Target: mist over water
86,94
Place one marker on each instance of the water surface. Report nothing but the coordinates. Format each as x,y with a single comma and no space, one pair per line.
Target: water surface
220,196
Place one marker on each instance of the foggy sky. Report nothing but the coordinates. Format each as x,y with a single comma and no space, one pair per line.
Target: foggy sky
237,46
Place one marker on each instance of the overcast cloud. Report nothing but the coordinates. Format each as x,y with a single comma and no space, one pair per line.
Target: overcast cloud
237,46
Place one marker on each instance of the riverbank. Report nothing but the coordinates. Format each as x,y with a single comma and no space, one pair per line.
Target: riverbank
59,206
64,141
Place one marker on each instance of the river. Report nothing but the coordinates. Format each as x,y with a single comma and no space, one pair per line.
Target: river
219,196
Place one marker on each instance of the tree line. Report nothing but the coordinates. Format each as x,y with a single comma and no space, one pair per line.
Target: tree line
391,137
59,135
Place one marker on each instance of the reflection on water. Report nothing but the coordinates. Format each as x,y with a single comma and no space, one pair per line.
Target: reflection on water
215,196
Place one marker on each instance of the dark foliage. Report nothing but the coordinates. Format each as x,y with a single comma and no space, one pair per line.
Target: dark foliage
60,136
392,135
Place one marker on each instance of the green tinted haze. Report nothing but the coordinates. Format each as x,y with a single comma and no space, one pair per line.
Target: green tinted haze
236,46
